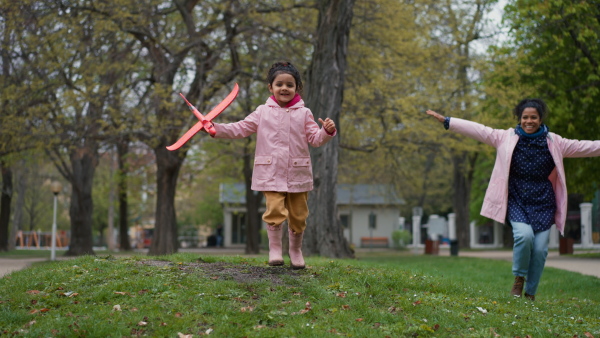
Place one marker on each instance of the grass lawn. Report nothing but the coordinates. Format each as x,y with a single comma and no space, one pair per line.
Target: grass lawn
377,295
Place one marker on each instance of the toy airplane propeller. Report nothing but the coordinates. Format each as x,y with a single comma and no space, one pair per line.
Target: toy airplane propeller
205,121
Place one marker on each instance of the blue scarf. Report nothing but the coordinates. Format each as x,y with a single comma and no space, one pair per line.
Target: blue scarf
543,131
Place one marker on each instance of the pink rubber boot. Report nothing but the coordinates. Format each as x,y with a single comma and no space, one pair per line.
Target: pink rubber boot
297,261
275,251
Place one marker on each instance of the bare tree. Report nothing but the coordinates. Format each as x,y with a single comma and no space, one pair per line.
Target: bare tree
324,88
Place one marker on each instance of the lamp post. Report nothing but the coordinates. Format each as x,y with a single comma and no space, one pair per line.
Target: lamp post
56,187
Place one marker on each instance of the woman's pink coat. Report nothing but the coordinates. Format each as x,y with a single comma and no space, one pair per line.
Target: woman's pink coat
282,159
495,202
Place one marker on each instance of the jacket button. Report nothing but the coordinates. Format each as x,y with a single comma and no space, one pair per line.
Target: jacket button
287,110
295,162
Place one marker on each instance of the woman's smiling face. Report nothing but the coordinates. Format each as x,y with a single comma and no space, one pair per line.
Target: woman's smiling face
530,120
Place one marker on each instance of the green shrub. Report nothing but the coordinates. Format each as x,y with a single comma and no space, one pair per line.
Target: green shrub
400,238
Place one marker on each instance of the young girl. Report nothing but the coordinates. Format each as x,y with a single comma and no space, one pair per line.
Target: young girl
282,165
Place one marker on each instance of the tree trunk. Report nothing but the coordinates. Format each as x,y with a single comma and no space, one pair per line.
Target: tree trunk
168,164
83,164
17,223
5,201
122,151
253,200
463,168
324,86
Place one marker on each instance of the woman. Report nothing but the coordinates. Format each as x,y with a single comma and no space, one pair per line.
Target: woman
528,184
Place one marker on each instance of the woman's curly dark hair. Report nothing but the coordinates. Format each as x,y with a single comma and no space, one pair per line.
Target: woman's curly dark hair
538,104
285,68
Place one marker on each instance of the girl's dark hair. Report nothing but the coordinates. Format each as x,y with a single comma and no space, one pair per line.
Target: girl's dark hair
538,104
285,68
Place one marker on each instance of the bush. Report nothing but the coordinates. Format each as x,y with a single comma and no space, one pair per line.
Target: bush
400,238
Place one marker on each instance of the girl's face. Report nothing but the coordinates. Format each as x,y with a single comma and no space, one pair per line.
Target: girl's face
530,120
283,88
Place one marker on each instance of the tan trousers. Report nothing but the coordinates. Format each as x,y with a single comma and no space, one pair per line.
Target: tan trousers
286,205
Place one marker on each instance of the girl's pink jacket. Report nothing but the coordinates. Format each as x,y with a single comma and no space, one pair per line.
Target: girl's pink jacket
495,202
282,160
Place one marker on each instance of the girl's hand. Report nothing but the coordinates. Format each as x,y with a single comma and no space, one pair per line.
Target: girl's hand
328,124
439,117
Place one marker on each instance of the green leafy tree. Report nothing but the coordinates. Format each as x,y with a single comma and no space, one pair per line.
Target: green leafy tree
390,83
557,56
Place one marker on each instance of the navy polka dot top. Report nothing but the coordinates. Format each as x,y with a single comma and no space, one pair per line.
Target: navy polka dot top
530,195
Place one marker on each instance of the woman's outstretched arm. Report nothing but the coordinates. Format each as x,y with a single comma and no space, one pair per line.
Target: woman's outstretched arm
438,117
479,132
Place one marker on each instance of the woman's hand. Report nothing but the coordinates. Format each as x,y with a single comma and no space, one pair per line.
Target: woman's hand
328,124
439,117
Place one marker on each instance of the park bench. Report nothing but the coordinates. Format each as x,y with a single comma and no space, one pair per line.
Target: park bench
374,242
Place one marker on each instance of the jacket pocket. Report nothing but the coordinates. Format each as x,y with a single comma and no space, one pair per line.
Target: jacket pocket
496,192
263,167
300,169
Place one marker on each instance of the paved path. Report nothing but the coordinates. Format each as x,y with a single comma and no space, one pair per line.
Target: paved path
586,266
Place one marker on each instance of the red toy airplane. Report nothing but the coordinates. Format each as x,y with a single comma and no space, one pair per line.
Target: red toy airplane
205,121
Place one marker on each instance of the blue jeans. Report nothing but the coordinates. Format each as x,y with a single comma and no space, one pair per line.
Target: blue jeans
530,250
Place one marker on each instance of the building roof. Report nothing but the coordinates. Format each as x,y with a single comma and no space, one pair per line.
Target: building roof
367,194
347,194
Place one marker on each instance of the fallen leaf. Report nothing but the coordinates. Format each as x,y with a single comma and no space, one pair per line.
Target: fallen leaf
181,335
178,315
417,303
247,309
208,331
341,294
120,293
33,292
305,310
359,319
589,335
117,308
345,307
436,327
34,311
142,323
482,310
44,310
